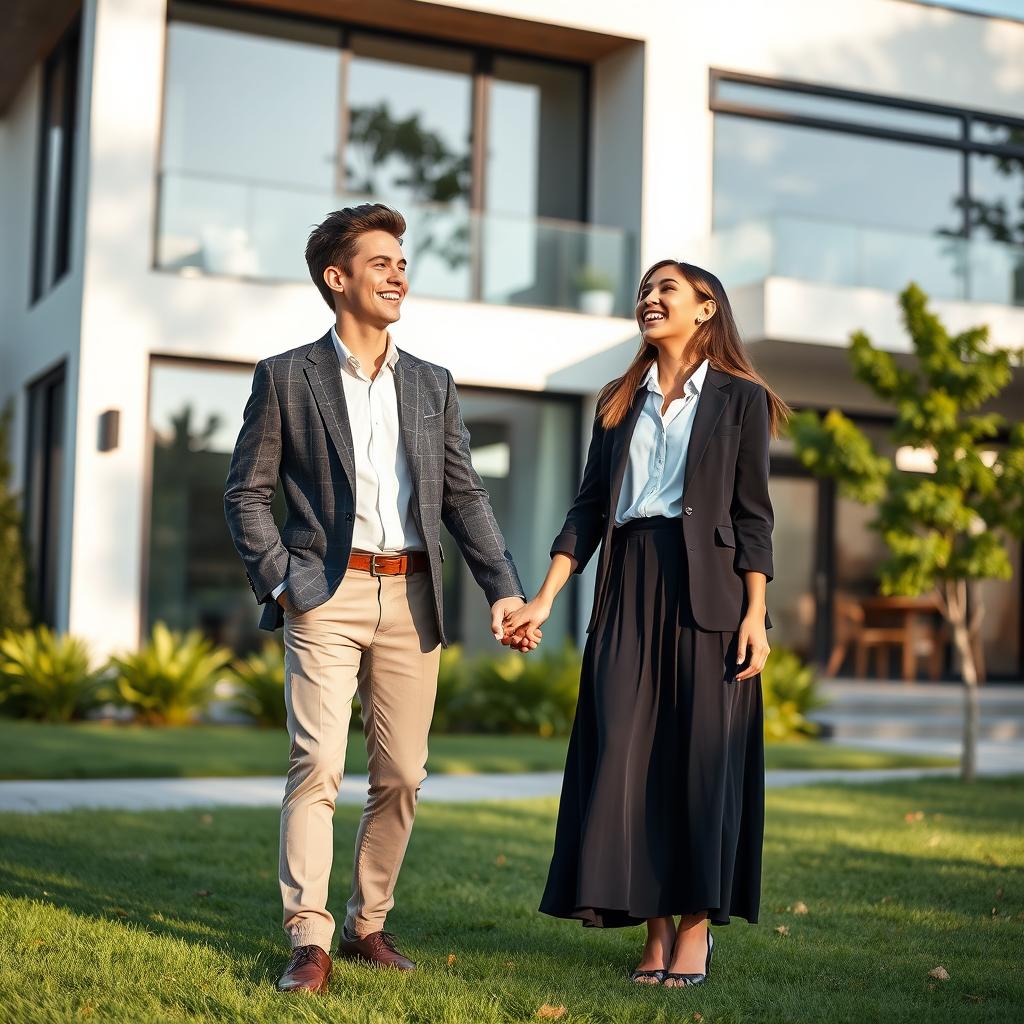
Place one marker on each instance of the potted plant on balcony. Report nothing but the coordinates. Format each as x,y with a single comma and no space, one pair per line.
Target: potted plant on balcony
594,287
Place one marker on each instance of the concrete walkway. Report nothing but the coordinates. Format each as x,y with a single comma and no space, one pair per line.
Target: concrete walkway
164,794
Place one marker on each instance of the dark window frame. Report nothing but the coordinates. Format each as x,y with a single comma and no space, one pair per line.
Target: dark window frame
55,239
480,79
964,145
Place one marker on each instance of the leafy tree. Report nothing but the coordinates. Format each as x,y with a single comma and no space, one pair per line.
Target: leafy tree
945,530
14,612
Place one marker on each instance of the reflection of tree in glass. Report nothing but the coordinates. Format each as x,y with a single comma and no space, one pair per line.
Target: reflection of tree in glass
993,218
1001,224
183,438
427,169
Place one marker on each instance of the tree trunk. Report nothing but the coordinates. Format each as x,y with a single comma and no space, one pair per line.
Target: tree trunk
955,595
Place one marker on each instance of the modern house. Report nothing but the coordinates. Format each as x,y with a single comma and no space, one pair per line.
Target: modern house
162,162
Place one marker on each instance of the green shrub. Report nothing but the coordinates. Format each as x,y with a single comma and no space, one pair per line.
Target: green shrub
790,692
260,682
514,693
592,279
171,679
453,681
47,676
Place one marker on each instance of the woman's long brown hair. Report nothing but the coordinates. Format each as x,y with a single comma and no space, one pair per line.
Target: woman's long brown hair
716,339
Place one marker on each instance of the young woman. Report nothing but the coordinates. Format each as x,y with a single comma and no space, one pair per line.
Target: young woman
662,807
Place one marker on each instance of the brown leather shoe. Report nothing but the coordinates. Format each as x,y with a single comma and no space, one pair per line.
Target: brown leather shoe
376,948
308,970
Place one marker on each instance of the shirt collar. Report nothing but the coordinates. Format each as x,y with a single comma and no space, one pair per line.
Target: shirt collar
692,387
351,363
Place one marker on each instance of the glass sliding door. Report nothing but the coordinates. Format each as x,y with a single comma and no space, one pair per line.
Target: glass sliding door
525,449
536,141
43,491
246,167
409,143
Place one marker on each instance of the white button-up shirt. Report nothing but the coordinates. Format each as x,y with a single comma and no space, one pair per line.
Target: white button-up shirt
384,519
653,482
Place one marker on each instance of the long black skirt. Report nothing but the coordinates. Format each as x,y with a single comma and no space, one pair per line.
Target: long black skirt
662,808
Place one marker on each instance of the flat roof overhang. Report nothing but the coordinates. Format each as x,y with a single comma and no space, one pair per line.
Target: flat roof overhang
29,31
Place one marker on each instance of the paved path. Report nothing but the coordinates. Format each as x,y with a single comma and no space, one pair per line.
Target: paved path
163,794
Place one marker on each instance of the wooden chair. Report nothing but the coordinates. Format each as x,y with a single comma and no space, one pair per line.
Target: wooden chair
853,629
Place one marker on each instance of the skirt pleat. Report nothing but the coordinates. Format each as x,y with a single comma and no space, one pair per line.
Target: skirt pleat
662,808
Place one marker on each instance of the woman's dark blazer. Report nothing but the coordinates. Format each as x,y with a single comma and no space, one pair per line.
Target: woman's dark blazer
727,514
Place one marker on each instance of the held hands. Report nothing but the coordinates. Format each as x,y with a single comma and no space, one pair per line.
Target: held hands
753,637
501,611
523,624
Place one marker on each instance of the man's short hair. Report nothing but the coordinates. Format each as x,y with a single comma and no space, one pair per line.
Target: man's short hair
333,243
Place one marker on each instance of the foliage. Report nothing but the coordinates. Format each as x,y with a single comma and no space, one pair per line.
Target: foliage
592,279
171,678
260,685
424,167
941,526
789,688
945,529
47,676
509,693
13,606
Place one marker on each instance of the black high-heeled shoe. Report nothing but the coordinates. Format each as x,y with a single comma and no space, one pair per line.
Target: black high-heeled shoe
693,979
658,975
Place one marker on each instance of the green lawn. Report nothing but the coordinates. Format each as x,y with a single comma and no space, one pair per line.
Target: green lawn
174,916
88,750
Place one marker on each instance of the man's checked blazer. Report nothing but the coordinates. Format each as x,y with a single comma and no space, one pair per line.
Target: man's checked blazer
296,428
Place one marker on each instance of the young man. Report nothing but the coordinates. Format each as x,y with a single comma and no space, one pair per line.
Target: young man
373,456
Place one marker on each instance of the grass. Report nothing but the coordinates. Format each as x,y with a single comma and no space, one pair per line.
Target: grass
91,750
174,917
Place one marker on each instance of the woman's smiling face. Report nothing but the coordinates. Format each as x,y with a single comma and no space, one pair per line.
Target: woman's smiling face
668,306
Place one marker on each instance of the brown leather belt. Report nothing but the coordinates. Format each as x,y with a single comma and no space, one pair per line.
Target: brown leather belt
389,565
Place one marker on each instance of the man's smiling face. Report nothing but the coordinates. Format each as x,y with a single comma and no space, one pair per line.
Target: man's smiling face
375,285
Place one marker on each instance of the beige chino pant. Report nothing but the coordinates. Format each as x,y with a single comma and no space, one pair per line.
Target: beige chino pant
378,636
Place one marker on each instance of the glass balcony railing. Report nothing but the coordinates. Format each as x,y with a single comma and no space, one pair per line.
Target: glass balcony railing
826,252
243,229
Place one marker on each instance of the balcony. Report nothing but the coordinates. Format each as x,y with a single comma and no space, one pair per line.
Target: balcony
255,231
833,253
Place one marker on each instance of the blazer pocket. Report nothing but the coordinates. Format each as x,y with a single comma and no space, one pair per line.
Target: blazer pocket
724,535
728,429
298,538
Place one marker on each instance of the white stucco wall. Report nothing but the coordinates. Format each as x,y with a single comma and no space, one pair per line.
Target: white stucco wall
35,338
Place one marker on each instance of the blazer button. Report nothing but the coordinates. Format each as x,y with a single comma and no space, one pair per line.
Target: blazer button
688,510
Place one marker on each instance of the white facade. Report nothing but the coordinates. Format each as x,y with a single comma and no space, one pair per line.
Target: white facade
650,163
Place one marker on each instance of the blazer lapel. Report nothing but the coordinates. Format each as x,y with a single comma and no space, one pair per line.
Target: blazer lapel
709,410
324,376
620,449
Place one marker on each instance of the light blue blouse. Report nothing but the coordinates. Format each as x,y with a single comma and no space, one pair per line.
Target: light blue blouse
653,481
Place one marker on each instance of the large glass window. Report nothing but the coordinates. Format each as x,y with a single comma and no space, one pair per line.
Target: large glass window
44,473
763,168
520,446
195,579
849,189
484,154
245,168
524,448
52,243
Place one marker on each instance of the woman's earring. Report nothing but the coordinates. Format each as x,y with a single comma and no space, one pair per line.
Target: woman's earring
697,320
